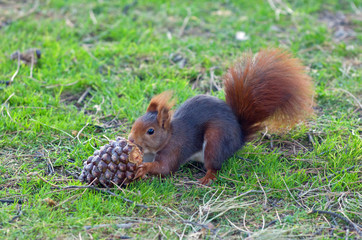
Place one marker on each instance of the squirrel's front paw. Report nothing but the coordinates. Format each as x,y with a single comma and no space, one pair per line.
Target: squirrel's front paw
143,169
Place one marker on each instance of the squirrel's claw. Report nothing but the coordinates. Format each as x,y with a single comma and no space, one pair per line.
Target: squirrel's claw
205,181
208,178
142,170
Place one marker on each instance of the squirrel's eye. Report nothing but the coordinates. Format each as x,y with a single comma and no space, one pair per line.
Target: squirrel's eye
150,131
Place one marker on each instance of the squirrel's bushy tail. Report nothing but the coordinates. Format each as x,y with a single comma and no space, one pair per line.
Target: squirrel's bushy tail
269,88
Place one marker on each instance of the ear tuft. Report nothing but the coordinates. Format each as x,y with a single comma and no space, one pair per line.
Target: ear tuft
162,104
152,107
160,101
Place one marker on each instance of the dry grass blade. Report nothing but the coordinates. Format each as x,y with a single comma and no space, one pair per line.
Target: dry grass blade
279,7
220,207
52,128
124,226
94,188
350,94
5,103
184,24
17,69
265,197
299,204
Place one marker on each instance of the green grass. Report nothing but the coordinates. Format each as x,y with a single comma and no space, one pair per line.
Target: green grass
125,57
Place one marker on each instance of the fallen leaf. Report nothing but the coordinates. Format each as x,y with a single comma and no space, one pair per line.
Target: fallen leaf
222,13
50,202
241,36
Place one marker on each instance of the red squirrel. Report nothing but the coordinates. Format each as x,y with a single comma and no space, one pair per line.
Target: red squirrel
269,88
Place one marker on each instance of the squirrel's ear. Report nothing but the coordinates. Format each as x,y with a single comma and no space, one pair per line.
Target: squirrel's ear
152,107
164,118
162,100
162,104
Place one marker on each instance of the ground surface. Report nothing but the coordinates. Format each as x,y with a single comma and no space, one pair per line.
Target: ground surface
101,63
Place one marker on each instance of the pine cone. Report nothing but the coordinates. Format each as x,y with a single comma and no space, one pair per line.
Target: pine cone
114,163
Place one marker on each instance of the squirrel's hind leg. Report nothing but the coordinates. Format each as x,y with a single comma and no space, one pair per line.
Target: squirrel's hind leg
212,154
219,145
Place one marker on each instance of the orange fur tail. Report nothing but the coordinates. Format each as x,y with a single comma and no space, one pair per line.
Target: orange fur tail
270,88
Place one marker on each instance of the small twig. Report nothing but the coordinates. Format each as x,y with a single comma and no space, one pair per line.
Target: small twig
274,221
213,230
350,94
279,10
5,105
8,113
184,24
344,215
339,172
118,187
78,134
233,224
128,7
299,144
163,234
84,95
262,228
19,213
264,134
106,138
244,223
71,174
355,8
270,223
69,199
32,64
123,225
280,221
51,184
245,159
333,214
51,167
10,201
6,101
93,17
17,70
212,79
334,219
61,85
292,194
52,127
311,139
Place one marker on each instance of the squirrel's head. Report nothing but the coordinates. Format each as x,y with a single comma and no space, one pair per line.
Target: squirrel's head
152,131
